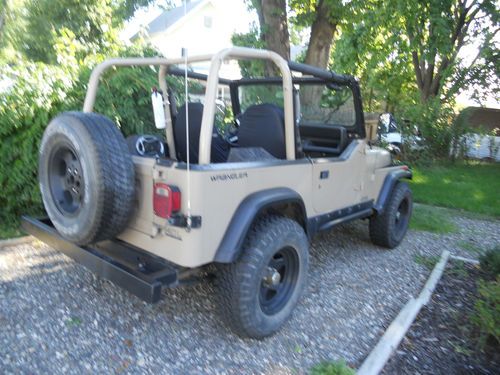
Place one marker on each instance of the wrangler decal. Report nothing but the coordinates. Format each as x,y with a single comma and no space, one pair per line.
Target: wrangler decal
229,176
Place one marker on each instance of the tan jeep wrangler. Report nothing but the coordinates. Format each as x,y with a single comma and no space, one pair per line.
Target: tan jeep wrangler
150,212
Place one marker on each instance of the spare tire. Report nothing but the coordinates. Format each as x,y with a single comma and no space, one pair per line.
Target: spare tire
87,177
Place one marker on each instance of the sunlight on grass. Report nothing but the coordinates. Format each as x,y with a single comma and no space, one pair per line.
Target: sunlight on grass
479,196
472,187
431,219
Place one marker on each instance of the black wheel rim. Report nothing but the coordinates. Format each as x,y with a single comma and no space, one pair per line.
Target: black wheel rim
401,217
279,280
66,180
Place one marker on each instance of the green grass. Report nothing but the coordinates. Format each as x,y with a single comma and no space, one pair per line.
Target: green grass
472,187
332,368
431,219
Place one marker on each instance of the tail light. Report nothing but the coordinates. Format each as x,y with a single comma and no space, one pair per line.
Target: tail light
166,200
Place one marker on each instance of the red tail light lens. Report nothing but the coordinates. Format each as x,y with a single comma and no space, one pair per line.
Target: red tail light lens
166,200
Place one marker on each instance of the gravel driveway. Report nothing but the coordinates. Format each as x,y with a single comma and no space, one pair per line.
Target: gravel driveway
58,318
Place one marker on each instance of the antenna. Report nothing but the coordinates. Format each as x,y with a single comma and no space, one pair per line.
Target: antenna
186,105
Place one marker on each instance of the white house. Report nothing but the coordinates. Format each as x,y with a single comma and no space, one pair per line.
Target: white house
206,28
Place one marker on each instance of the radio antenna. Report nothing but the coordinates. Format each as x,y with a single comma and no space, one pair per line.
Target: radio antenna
186,105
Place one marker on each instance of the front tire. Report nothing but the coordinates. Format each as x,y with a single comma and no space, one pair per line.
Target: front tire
389,228
260,290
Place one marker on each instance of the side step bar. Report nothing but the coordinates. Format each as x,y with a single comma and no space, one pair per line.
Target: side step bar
137,271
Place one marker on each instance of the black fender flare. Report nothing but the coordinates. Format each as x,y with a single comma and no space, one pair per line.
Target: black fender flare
249,209
390,181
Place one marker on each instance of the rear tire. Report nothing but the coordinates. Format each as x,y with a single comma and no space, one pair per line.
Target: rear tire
260,290
389,228
86,176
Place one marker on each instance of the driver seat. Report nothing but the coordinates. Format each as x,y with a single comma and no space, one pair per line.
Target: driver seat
263,125
219,148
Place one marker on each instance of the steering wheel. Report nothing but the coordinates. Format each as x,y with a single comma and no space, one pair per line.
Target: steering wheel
146,145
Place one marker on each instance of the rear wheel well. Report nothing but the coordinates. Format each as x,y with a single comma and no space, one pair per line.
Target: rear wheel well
293,210
278,201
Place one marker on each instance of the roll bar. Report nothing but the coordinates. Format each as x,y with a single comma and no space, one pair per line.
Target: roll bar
207,122
211,94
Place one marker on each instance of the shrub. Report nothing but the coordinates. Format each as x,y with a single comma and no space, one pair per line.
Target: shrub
438,126
39,93
490,262
487,311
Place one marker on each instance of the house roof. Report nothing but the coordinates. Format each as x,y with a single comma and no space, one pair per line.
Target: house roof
482,117
169,17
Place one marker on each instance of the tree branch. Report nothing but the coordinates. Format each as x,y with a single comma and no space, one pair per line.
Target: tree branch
457,42
465,70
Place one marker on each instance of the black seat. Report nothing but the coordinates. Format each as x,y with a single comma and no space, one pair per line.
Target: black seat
219,147
263,125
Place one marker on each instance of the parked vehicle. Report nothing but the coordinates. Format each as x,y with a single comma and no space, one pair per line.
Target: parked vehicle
395,137
150,212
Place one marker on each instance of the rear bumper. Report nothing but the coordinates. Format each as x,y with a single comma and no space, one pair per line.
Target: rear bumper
141,273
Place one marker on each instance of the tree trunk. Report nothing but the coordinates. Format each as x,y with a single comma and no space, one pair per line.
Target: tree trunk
321,39
318,51
275,30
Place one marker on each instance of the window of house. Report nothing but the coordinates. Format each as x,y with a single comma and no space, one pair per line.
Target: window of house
208,22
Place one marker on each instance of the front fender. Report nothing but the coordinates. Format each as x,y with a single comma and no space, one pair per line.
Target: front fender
390,181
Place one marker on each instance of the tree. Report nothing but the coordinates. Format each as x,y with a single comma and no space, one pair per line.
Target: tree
34,27
437,31
323,17
419,46
367,49
275,28
125,9
91,22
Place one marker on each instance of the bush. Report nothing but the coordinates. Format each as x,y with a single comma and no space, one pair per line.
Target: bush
124,94
438,126
490,262
487,312
39,93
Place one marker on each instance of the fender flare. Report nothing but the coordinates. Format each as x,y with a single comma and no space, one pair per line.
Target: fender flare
390,181
249,209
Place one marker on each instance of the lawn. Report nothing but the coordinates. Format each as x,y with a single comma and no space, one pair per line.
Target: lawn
431,219
473,187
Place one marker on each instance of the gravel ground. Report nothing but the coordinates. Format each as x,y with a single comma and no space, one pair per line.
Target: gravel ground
56,317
